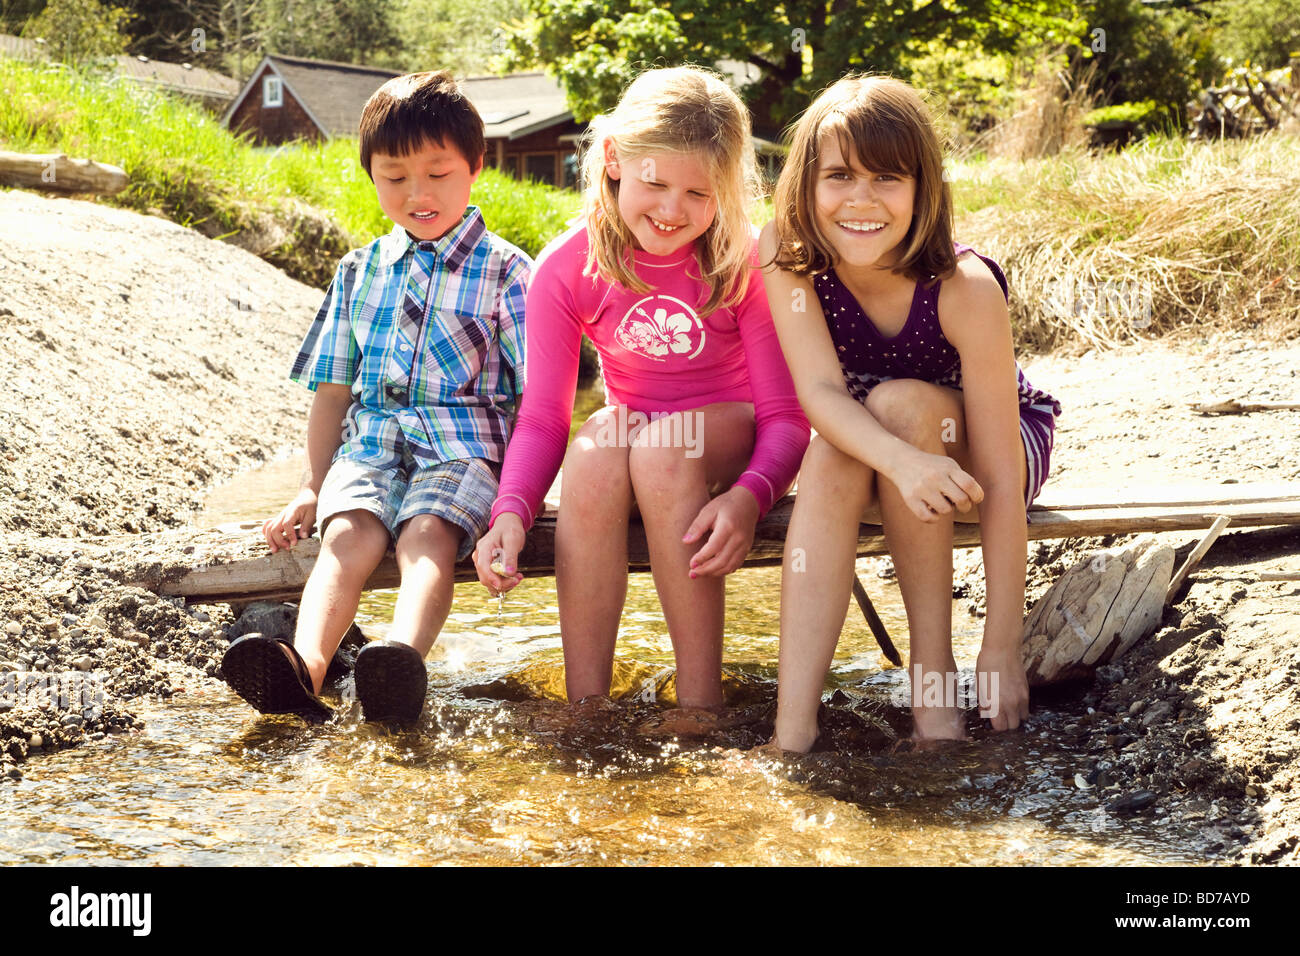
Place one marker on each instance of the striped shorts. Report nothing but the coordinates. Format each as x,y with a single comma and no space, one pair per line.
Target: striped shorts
1037,431
459,491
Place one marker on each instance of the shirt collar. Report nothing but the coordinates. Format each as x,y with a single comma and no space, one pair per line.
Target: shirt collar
453,248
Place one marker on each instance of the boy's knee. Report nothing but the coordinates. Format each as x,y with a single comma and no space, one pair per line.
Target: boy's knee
429,530
355,539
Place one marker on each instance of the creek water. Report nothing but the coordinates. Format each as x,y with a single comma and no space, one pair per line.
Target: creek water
496,772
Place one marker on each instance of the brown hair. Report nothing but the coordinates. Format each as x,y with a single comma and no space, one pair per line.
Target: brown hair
409,111
887,126
676,110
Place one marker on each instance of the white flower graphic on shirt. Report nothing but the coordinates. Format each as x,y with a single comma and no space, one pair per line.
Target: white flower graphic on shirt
659,326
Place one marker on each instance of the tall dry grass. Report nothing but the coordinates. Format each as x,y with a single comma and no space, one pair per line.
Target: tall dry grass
1164,236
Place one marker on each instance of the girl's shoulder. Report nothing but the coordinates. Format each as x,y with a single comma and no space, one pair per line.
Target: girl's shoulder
973,300
565,250
976,272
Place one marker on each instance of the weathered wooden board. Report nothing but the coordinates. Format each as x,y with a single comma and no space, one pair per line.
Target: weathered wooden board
282,575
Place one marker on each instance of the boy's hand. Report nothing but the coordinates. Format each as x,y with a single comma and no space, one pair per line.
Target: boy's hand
933,485
292,524
732,517
497,554
1002,687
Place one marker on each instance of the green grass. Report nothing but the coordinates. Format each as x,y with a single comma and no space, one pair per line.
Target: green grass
184,165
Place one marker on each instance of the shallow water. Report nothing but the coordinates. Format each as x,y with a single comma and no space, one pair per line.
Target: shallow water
494,774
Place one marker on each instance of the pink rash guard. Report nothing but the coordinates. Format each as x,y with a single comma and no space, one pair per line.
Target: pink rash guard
657,355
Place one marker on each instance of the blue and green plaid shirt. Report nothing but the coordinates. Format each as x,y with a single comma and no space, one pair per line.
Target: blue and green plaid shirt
430,335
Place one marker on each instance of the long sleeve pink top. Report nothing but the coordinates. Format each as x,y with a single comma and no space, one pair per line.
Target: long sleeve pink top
657,354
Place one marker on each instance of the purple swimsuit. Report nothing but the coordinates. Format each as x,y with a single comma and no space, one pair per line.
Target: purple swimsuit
921,351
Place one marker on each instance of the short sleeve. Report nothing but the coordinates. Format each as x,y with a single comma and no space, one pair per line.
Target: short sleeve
329,352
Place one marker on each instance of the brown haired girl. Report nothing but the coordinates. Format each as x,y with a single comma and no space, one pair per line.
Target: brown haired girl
899,343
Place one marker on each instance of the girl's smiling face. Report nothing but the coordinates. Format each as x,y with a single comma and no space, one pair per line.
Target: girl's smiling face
864,215
665,199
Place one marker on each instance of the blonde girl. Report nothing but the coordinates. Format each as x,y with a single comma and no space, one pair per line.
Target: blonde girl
702,431
899,342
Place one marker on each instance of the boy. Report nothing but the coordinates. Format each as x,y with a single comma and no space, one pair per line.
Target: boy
416,358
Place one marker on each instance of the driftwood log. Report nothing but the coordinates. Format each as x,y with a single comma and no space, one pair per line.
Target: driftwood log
58,173
232,564
1097,610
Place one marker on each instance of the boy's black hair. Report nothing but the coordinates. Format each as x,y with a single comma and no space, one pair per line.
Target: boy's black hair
409,111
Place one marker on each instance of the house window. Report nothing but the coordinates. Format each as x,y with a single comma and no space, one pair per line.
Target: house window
272,93
541,167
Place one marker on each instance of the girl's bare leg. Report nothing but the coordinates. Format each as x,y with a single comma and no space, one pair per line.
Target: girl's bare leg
920,413
816,580
591,552
671,484
353,545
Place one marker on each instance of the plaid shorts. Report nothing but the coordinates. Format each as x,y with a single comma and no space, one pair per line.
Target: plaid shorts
459,491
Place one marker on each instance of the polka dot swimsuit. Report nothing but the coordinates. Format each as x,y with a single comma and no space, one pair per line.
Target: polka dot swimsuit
921,351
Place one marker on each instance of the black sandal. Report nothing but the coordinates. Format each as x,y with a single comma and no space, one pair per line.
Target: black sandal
259,671
391,681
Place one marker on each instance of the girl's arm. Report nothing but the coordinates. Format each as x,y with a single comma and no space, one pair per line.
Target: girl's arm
834,413
974,317
553,336
780,440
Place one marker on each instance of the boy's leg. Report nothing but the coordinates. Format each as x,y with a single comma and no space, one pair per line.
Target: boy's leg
591,551
671,487
816,580
426,556
354,543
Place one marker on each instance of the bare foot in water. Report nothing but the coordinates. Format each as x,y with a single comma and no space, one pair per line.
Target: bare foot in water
934,727
585,714
685,722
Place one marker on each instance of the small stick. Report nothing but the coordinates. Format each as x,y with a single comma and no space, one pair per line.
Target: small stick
1279,575
1194,558
1234,407
876,624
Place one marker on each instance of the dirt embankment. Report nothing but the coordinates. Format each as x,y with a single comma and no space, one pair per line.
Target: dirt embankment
143,362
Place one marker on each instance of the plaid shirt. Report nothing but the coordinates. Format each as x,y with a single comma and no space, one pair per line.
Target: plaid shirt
430,335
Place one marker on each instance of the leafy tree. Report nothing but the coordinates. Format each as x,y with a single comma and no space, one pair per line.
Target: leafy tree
795,49
1265,33
349,31
80,31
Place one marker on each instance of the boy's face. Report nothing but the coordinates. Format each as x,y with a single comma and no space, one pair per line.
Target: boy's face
424,192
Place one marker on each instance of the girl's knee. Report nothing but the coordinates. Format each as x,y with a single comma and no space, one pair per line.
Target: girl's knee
909,409
660,467
828,470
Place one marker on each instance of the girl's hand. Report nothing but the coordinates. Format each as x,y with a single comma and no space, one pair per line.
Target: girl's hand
292,524
1002,687
732,517
933,485
497,553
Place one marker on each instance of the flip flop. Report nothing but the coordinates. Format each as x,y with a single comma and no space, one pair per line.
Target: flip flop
259,671
391,682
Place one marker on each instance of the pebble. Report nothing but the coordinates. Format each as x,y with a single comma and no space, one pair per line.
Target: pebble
13,773
84,663
36,740
1136,707
13,627
1133,802
72,720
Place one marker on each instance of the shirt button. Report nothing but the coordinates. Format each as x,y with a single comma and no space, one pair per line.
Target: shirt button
404,347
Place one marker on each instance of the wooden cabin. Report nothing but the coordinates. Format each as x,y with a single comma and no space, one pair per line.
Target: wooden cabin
528,127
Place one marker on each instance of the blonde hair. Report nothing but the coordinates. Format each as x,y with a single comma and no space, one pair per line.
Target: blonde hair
675,110
887,126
